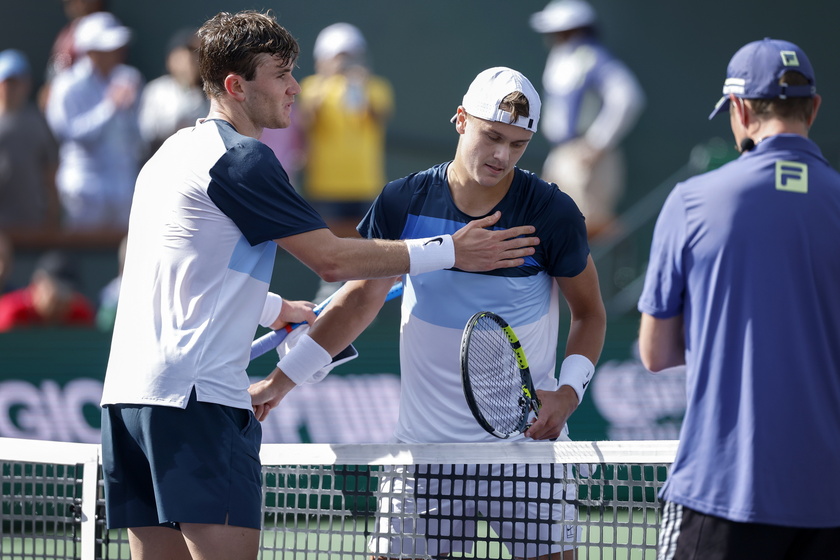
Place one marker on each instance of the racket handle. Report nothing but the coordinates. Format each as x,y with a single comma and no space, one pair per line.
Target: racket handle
273,339
268,342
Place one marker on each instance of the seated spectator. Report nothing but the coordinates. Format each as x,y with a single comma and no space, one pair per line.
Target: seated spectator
28,153
51,299
175,100
93,112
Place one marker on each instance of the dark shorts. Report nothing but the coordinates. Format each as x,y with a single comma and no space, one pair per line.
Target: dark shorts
690,535
164,465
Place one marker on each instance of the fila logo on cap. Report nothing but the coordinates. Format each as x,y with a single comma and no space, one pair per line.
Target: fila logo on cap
789,58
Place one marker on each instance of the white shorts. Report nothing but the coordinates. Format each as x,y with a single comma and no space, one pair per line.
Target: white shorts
428,510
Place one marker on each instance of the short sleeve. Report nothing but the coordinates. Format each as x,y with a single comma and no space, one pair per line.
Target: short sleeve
251,187
665,281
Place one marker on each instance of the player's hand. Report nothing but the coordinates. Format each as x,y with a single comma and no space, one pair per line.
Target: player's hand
479,249
556,408
294,312
267,393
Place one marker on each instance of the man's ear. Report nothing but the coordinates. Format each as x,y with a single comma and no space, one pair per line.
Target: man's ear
460,120
233,86
741,111
817,103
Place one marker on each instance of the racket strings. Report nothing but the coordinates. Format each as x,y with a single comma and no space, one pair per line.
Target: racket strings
494,377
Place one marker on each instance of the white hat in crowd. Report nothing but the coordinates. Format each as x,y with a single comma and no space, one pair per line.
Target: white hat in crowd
339,38
101,31
563,15
489,89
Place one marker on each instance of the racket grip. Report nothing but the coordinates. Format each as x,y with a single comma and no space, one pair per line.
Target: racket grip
268,342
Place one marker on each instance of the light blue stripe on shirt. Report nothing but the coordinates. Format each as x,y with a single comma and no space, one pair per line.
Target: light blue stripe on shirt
256,261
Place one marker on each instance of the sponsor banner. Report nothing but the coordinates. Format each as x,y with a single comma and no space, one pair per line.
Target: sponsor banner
337,410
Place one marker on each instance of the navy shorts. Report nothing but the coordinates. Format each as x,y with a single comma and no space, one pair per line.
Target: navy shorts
164,466
687,534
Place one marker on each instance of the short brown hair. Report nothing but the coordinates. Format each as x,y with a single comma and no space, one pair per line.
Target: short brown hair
800,108
231,43
516,103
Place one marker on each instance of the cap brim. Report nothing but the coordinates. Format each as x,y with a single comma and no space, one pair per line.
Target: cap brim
721,106
107,41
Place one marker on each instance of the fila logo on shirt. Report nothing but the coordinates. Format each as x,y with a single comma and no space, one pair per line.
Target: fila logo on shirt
791,176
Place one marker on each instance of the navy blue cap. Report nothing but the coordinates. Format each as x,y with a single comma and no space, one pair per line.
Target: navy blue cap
755,70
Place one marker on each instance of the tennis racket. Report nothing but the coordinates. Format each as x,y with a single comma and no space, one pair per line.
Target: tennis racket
272,340
495,375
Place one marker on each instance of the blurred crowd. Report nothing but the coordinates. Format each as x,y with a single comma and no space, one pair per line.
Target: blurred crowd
71,151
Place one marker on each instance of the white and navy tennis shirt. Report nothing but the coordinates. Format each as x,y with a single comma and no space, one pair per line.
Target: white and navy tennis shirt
200,255
437,305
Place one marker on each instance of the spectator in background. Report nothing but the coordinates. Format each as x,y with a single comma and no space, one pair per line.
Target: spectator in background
64,52
175,100
106,313
51,298
344,110
28,153
591,101
93,112
7,261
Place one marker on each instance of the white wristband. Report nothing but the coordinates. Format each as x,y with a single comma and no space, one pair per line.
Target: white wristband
271,309
576,371
304,360
430,253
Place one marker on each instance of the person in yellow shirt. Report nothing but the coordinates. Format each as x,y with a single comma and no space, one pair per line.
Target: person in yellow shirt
344,110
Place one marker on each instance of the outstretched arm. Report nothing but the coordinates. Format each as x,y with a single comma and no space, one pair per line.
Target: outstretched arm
476,249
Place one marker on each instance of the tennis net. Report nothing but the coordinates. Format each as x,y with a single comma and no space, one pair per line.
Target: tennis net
347,501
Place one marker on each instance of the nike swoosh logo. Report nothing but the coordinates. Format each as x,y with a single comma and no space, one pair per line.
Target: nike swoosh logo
586,383
438,240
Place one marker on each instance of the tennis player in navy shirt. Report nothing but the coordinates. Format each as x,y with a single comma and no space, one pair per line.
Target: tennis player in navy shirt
495,123
742,288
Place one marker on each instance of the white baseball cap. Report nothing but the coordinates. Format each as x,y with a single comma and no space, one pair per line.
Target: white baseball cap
563,15
489,89
339,38
100,31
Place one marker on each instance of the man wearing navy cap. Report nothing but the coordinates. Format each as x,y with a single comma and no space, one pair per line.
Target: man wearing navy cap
742,288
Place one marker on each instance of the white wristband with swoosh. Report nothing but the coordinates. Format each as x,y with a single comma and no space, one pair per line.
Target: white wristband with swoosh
430,253
576,371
